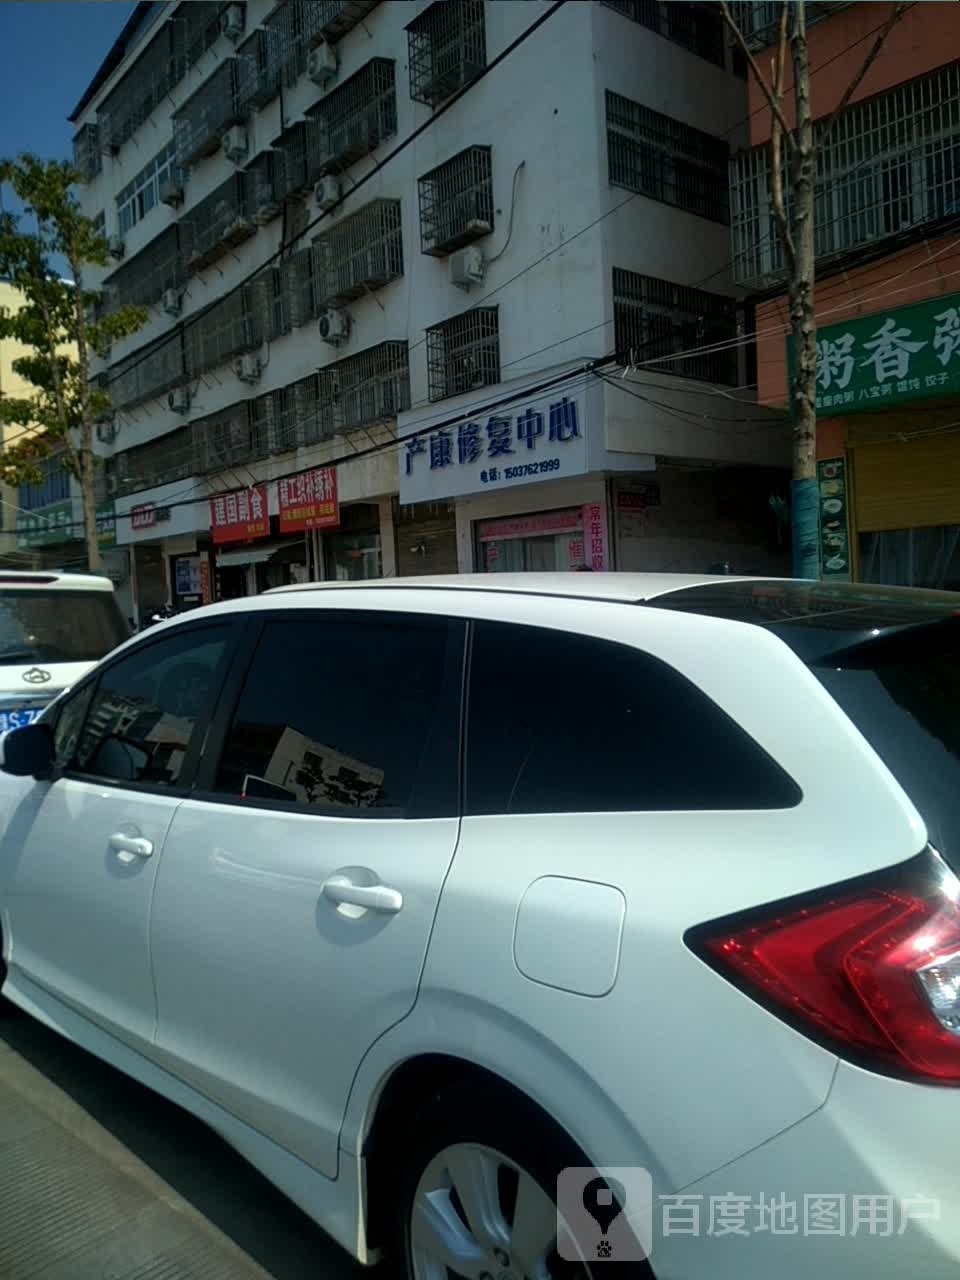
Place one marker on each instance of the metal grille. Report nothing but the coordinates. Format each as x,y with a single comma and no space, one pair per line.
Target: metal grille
265,186
448,47
231,326
147,373
146,86
370,387
355,118
224,439
758,20
305,397
198,26
332,19
890,165
696,27
659,157
218,221
87,159
161,461
142,280
299,287
463,353
654,318
292,147
200,122
361,253
456,202
259,69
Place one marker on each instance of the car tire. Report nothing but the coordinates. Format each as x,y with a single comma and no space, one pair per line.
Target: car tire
496,1141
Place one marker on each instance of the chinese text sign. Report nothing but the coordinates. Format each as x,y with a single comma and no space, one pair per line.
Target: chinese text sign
309,501
239,516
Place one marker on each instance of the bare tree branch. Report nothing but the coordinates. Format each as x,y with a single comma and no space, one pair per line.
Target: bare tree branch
758,74
865,66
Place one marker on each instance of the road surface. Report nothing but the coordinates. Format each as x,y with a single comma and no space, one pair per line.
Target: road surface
102,1180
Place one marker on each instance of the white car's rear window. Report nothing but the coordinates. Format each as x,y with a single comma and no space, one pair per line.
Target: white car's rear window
58,625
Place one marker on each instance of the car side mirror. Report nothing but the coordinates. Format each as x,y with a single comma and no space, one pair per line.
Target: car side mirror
29,752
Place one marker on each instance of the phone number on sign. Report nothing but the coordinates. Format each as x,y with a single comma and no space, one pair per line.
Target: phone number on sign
493,474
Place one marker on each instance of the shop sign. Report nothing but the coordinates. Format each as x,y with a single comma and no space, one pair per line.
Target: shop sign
240,516
543,438
186,573
46,528
144,517
584,529
309,501
106,525
834,534
889,358
594,536
637,499
206,594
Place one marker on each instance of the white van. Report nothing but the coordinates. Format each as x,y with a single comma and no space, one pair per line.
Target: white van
53,628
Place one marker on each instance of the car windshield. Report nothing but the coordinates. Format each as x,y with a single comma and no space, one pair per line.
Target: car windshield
891,659
58,625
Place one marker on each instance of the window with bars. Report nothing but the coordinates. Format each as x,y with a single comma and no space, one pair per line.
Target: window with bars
298,280
87,158
456,202
463,353
697,27
230,327
265,186
259,69
141,280
359,254
199,124
448,47
160,461
362,390
147,373
141,195
147,84
224,439
759,20
357,117
291,147
654,319
217,222
890,167
662,158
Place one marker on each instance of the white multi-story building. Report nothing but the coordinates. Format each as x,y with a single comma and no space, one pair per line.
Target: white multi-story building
306,306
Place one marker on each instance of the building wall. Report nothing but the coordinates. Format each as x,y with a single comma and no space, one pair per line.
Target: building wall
926,37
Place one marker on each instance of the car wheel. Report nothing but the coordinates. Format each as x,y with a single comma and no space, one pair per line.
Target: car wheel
478,1195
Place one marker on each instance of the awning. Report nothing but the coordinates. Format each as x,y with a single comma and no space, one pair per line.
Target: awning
256,554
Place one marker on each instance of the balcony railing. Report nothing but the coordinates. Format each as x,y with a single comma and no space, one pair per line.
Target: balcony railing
359,254
357,117
890,167
363,390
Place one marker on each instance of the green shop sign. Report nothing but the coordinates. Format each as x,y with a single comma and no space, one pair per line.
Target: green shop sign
889,358
106,524
46,528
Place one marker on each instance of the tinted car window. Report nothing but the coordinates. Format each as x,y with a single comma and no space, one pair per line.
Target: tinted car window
349,714
58,626
147,706
561,723
69,721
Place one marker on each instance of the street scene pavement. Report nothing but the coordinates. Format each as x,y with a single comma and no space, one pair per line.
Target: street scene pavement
100,1179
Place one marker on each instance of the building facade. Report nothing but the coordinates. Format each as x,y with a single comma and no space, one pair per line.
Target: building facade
888,287
353,371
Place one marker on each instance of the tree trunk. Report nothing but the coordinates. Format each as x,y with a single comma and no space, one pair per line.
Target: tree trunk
803,320
86,460
88,490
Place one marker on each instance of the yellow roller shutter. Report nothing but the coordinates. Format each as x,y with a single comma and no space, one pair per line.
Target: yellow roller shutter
907,484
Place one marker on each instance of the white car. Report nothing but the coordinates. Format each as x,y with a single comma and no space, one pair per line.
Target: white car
53,628
423,892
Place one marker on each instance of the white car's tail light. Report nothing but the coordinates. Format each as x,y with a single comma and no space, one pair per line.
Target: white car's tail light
870,968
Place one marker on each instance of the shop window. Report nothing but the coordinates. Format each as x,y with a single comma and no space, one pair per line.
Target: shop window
456,202
926,557
383,744
697,27
656,742
447,47
463,353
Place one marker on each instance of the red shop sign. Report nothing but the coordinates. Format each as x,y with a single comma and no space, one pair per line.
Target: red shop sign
144,517
240,516
309,501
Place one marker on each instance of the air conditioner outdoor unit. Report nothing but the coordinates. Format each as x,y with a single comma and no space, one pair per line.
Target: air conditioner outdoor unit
171,192
467,267
232,21
327,191
322,63
179,399
171,302
115,247
247,368
334,326
234,143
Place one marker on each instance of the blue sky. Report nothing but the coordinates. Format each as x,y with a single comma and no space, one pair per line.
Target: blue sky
50,52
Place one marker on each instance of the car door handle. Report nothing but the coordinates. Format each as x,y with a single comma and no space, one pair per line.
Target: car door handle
375,897
129,848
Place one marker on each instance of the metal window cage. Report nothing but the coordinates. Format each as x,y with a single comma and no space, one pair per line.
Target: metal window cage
161,461
890,165
273,423
304,396
298,278
463,353
230,327
697,27
359,254
197,26
447,47
291,145
656,318
143,88
259,69
456,202
759,20
200,122
221,220
265,186
332,19
147,373
143,279
223,439
363,390
356,117
87,158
